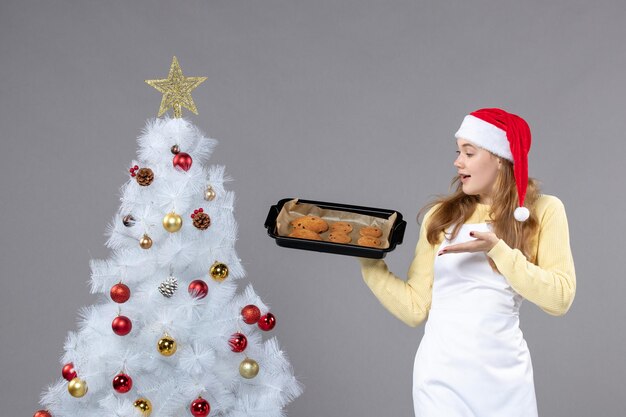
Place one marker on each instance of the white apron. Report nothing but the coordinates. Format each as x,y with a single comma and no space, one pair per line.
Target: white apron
473,360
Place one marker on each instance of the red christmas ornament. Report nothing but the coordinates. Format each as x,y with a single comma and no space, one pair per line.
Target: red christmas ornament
238,342
267,322
121,325
68,371
122,383
182,160
42,413
198,288
250,314
200,407
120,293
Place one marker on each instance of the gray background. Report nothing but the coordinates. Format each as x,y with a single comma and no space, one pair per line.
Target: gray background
347,101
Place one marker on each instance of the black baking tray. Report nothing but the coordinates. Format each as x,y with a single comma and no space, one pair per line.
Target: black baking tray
395,236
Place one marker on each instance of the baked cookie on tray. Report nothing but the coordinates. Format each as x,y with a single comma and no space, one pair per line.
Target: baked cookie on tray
309,222
370,231
371,241
339,237
305,234
343,227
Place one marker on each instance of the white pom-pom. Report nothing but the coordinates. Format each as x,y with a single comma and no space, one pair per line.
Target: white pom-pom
521,214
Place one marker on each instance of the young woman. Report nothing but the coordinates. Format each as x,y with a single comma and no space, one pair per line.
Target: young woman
478,256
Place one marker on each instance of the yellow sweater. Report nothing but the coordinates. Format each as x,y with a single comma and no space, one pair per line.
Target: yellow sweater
550,283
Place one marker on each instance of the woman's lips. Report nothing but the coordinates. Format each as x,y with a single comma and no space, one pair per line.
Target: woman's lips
463,179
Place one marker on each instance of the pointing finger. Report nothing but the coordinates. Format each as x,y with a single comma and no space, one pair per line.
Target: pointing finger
452,248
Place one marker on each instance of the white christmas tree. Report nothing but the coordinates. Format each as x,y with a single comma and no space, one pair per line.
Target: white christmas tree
170,335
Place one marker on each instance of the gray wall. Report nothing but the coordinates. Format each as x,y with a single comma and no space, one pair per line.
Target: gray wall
348,101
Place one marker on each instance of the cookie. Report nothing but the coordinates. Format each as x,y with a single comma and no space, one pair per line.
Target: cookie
313,223
371,241
305,234
343,227
339,237
371,231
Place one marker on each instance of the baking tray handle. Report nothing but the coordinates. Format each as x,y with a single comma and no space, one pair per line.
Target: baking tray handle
397,233
270,221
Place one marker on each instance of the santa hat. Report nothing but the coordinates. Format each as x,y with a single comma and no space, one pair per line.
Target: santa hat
506,135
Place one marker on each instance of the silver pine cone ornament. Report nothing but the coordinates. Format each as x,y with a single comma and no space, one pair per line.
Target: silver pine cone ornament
168,287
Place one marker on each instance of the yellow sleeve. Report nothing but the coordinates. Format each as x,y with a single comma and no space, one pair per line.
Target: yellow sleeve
408,300
551,284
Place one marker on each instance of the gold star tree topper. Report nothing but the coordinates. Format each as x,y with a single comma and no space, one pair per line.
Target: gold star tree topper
176,89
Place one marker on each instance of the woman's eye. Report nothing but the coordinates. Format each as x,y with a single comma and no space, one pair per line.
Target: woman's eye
469,154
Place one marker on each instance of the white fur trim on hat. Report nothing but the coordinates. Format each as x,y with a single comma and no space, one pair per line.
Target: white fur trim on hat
521,214
485,135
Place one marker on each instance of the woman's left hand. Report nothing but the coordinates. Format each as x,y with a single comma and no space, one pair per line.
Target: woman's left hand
484,242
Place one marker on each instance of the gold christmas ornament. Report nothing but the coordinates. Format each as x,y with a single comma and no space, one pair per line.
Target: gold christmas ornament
144,406
209,194
248,368
219,271
145,242
166,346
77,387
172,222
176,89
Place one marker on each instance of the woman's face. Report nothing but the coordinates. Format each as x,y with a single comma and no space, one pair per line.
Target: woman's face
481,166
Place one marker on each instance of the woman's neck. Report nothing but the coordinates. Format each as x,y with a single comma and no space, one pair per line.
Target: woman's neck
485,201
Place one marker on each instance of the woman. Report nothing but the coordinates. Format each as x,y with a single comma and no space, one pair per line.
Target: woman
478,257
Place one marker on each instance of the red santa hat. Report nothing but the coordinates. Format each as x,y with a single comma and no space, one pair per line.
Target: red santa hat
506,135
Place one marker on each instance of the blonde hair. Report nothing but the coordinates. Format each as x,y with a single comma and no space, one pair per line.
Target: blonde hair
457,207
